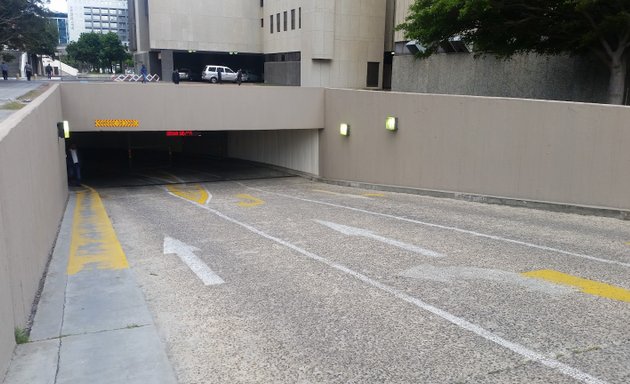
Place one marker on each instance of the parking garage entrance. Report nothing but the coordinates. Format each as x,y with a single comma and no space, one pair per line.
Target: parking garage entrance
119,159
194,62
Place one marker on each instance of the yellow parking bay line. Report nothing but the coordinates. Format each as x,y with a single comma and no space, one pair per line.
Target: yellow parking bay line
373,195
587,286
194,193
94,244
251,201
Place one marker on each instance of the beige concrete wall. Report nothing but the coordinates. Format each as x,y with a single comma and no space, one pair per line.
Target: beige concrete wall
348,38
205,25
33,194
556,152
165,106
298,150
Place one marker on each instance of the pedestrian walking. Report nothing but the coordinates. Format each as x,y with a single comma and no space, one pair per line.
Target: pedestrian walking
239,76
5,70
176,76
29,71
49,71
74,166
143,72
220,75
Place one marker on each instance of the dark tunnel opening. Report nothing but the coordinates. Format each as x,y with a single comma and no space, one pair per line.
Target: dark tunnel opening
118,159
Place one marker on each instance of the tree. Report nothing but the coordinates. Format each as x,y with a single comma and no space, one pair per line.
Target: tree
86,50
508,27
97,51
24,26
112,50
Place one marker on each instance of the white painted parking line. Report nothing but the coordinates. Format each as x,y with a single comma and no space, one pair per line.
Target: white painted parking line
446,227
352,231
458,321
187,254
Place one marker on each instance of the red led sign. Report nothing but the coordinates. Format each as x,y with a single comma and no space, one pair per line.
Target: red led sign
179,133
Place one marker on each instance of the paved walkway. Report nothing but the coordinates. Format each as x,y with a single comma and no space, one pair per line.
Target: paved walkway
92,323
12,89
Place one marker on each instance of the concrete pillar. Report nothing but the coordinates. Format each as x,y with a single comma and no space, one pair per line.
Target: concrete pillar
167,64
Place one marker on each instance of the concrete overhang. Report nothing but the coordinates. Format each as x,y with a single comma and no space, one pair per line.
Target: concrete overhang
203,107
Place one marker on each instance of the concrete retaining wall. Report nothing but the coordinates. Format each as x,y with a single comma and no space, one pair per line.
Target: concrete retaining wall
33,194
524,76
558,152
298,150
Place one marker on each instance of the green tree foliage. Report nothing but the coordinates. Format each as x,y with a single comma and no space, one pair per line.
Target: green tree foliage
507,27
24,26
97,51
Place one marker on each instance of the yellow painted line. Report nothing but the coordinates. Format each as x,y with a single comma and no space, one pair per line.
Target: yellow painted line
251,201
628,243
374,195
587,286
94,244
194,192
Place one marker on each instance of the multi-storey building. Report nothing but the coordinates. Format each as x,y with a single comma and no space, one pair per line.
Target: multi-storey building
101,16
61,20
339,43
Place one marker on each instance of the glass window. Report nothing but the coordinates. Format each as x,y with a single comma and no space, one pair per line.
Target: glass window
271,23
285,20
292,19
278,22
262,23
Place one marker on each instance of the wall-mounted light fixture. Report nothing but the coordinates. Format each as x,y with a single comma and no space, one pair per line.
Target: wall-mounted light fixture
63,130
391,123
344,129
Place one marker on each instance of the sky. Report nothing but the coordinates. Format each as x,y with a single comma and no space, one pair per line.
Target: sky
58,5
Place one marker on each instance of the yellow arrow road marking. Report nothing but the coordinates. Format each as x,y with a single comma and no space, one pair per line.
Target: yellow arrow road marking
93,244
194,192
251,201
587,286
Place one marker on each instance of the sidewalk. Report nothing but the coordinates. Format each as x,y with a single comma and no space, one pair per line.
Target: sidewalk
92,323
12,89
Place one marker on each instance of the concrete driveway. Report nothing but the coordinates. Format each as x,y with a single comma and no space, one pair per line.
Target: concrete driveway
286,280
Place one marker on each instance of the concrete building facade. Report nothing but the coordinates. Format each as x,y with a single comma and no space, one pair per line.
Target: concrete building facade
100,16
336,43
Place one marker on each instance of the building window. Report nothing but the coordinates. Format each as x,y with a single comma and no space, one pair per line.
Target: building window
278,22
262,23
300,17
262,3
292,19
271,23
285,20
372,74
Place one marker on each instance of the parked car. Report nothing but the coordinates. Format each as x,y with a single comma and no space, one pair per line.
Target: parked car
184,74
251,77
211,73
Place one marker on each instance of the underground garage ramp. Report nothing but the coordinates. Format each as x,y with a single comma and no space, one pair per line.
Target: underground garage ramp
115,159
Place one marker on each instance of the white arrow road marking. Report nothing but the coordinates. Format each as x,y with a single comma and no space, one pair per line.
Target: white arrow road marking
186,253
458,321
352,231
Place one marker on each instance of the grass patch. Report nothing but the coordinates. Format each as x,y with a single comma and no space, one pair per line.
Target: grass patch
30,95
12,105
21,336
